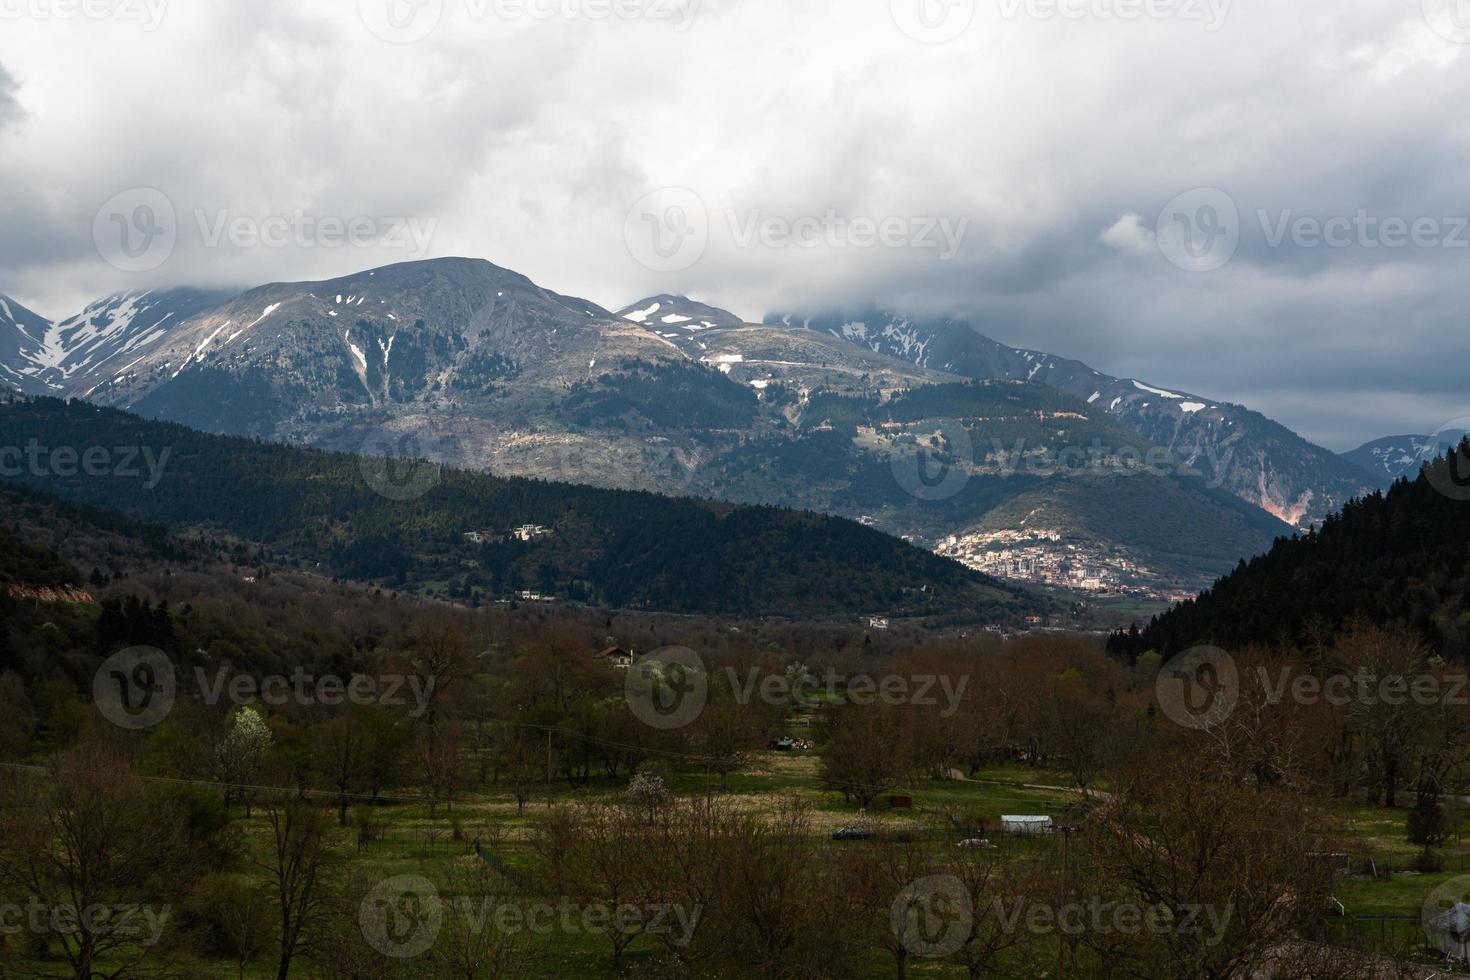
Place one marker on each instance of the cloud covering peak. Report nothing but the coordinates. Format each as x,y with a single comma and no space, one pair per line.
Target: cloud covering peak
1033,165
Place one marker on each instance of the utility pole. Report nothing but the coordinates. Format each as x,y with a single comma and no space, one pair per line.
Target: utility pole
548,768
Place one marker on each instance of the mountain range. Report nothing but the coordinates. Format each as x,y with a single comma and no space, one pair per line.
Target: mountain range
1253,457
923,429
1402,457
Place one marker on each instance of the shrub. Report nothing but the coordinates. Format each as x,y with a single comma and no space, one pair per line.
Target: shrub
1428,861
1429,823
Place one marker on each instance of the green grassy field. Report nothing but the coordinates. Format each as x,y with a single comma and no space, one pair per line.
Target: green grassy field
414,843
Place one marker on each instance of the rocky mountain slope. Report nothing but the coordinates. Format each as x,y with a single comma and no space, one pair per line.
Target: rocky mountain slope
477,367
1253,457
112,335
22,340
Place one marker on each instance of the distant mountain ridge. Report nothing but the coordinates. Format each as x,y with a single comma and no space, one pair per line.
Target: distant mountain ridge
1257,459
482,368
1392,457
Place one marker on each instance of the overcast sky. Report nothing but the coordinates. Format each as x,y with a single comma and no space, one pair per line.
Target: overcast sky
1017,162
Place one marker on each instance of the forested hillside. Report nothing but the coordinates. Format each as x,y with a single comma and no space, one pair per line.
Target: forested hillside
414,525
1397,558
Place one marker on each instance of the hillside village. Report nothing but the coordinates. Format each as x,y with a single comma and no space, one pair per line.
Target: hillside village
1051,558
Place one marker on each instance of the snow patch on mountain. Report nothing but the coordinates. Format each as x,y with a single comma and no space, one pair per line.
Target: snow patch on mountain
1157,391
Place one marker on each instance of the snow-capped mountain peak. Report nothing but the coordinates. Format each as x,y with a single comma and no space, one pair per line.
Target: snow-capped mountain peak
114,330
677,315
40,356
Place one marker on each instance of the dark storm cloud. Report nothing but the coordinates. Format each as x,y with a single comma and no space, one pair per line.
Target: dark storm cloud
1053,143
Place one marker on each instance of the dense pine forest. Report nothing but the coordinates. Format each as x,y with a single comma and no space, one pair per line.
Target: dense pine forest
405,523
1400,559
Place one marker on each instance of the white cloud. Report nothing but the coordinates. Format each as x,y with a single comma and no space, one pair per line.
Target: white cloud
1129,234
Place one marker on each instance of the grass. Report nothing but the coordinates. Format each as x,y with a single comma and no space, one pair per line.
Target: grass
417,844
